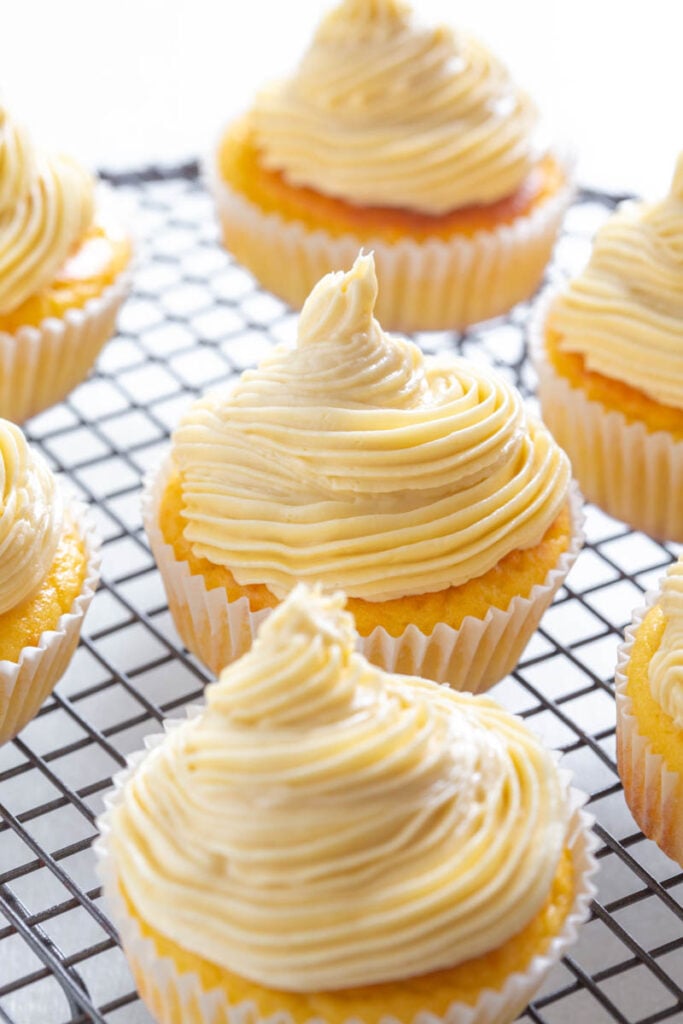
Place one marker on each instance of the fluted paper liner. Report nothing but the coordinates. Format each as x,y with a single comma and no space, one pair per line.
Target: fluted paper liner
27,683
39,366
474,657
632,473
653,793
434,284
175,998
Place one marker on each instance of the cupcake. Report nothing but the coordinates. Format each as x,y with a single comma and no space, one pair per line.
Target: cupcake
410,140
49,562
609,353
63,263
326,841
649,686
420,487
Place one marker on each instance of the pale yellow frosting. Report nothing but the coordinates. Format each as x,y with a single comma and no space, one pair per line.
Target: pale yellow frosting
31,517
624,313
354,461
323,824
46,207
666,666
384,111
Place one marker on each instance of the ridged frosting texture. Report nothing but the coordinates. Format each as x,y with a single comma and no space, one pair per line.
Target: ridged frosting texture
624,313
666,666
354,461
31,517
46,207
384,111
323,824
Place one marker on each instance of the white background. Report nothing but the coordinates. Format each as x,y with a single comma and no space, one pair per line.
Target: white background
125,82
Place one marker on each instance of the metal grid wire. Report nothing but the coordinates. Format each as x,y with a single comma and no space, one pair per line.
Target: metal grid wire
196,319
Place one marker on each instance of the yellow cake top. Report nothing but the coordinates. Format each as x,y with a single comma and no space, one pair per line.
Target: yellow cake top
46,207
383,111
666,667
624,313
31,517
323,824
354,461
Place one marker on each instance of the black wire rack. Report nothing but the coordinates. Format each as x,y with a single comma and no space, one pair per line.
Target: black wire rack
196,319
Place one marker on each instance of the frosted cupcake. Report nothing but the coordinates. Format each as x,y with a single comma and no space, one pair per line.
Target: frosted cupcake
422,488
63,274
649,687
49,561
411,140
609,353
326,841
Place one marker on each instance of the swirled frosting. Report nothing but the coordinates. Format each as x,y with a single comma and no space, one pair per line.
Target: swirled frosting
384,111
46,207
666,666
31,517
354,461
624,313
323,824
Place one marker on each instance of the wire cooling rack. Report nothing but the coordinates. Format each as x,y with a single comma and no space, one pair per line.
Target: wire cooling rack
196,319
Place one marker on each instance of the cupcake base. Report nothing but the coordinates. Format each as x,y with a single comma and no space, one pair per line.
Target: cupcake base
434,284
39,366
473,657
28,682
634,474
177,996
653,792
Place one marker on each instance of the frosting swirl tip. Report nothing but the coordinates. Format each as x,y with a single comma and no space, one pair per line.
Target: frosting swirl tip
295,673
341,305
363,13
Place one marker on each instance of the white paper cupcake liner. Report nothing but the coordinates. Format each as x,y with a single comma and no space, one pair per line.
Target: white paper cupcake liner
175,998
429,285
39,366
26,684
653,793
474,657
632,473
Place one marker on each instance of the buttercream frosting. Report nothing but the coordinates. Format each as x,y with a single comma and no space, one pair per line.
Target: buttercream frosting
624,313
46,207
666,666
323,824
31,517
355,461
384,111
